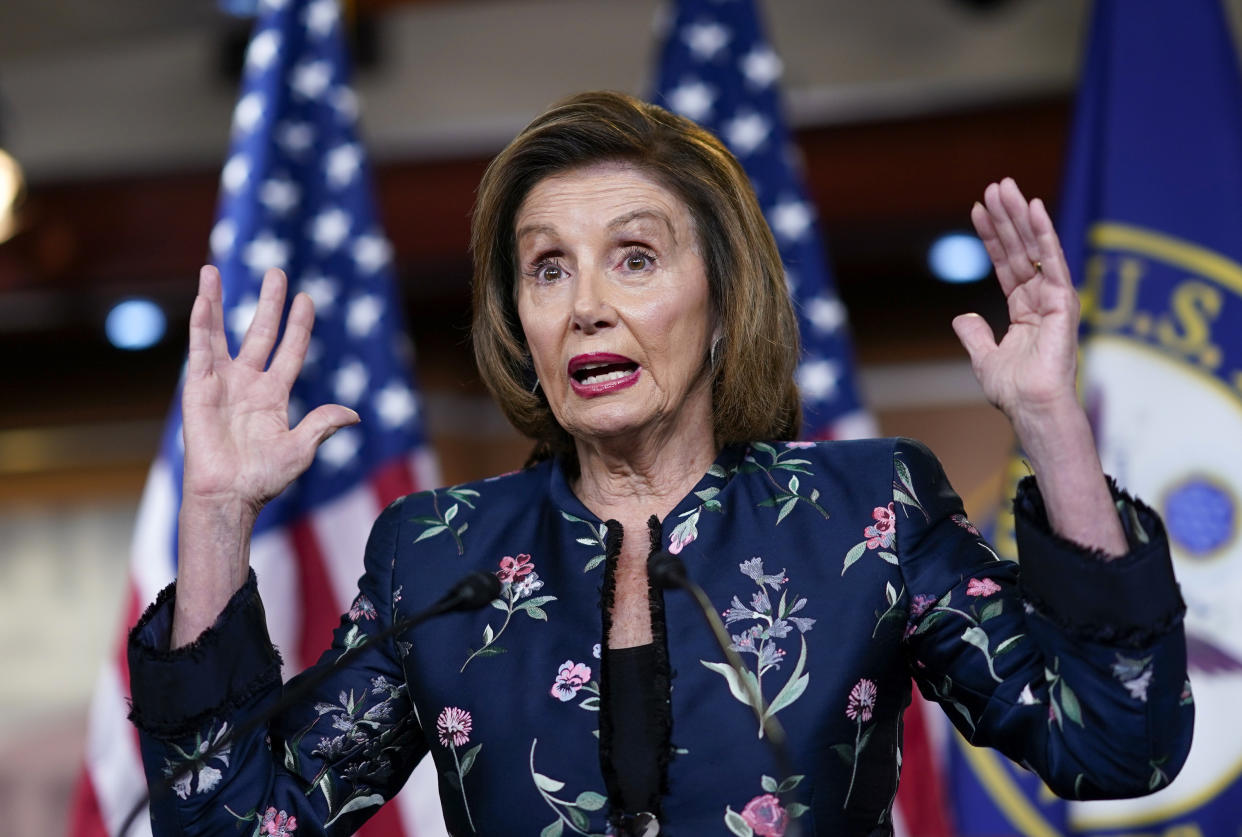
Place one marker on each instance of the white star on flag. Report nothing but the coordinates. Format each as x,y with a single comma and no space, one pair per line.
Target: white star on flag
279,196
274,4
345,101
241,316
248,113
350,382
223,234
264,252
790,219
295,137
396,404
371,252
340,447
311,78
692,99
746,132
330,228
825,314
817,379
321,290
761,66
706,39
341,164
263,49
321,16
235,173
364,312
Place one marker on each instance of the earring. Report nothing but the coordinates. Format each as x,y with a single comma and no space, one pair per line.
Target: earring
711,353
535,388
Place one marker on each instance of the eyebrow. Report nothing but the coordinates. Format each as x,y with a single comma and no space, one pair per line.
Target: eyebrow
644,214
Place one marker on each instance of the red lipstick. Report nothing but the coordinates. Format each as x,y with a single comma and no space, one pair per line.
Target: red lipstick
601,373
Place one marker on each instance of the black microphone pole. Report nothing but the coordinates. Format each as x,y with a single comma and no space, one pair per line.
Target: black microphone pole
471,592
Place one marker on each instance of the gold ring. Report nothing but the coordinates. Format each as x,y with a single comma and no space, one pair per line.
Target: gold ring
1038,265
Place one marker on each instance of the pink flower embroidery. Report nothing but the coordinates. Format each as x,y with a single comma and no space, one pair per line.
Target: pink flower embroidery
454,725
960,520
861,701
981,587
514,568
277,822
881,533
569,679
765,816
361,609
795,445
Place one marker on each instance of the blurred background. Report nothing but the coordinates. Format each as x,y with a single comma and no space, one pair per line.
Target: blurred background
118,114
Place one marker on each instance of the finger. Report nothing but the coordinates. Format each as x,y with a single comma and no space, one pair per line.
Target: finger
261,336
319,424
1051,256
976,337
199,359
291,353
991,242
1019,261
209,286
1019,210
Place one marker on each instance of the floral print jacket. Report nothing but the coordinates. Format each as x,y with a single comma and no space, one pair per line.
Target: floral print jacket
841,569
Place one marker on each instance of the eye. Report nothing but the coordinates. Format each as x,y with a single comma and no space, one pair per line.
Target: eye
546,270
636,260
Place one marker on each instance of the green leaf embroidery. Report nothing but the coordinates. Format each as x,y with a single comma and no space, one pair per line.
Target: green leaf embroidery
888,556
856,552
991,611
1069,703
432,532
767,783
356,804
536,613
794,687
554,829
845,751
579,819
737,825
786,509
590,801
547,783
467,760
789,784
796,809
1007,645
707,493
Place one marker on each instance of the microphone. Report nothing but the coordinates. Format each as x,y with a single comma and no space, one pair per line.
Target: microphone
472,591
668,572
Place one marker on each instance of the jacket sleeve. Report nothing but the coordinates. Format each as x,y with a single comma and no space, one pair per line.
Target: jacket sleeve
1071,665
321,766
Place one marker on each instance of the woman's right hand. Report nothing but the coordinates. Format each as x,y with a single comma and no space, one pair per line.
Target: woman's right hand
239,449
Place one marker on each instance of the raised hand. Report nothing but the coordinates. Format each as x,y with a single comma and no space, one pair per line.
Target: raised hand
239,449
1030,374
1031,371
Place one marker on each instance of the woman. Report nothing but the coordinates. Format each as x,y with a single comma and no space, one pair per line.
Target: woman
631,317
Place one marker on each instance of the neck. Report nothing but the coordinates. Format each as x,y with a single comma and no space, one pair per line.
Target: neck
631,479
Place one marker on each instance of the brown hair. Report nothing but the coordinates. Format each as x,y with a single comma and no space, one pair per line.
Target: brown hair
753,390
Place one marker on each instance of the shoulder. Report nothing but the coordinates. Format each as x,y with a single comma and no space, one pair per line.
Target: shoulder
849,452
522,485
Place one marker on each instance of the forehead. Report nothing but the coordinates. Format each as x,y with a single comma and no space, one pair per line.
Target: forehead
601,195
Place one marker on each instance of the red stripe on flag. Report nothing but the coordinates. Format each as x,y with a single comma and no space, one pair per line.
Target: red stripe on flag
921,796
85,818
393,480
386,822
320,612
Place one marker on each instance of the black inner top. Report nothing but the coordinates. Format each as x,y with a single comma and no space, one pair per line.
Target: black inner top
633,705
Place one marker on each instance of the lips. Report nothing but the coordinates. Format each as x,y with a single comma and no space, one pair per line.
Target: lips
601,373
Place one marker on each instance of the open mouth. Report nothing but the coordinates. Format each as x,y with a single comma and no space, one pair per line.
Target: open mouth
599,372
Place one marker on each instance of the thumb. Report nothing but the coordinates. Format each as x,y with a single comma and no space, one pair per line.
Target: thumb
976,337
320,423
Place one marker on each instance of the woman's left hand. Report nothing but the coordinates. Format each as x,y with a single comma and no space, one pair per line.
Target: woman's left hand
1031,371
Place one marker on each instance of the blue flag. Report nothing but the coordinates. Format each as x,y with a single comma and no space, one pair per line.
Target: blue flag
717,69
1151,222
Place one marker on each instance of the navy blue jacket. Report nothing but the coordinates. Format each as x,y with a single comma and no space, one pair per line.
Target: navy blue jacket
841,569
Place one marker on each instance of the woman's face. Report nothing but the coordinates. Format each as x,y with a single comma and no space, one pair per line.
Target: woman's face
613,298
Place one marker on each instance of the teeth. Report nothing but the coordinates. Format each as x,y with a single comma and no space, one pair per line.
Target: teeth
607,376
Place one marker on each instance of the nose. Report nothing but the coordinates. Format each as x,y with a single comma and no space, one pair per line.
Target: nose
591,311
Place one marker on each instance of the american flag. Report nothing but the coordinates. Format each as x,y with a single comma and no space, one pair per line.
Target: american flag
295,194
718,69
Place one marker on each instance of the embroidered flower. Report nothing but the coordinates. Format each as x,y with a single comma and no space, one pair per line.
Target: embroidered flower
982,587
753,569
880,534
361,609
920,604
569,679
1027,698
277,822
765,816
595,649
514,568
961,520
861,701
1134,674
526,586
799,445
454,725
